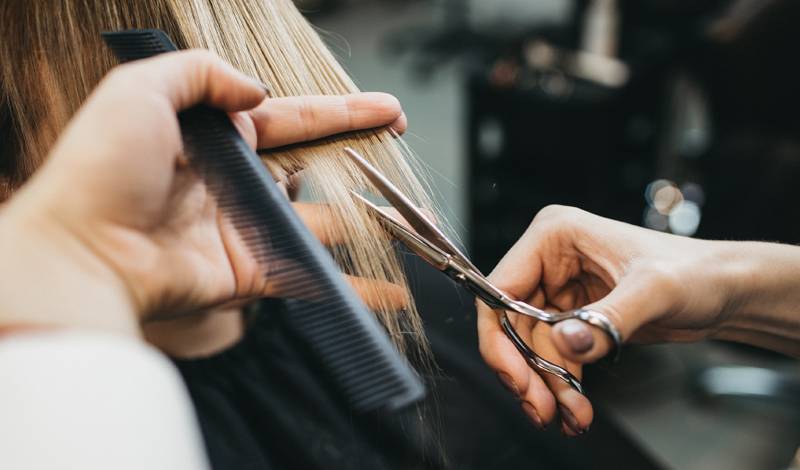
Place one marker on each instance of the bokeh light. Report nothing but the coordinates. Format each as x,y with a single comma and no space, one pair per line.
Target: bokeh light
684,219
655,220
672,208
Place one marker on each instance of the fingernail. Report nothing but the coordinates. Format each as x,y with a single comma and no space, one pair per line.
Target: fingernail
508,383
532,415
265,87
577,335
569,420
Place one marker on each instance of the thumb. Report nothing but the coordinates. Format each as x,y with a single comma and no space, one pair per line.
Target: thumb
636,301
186,78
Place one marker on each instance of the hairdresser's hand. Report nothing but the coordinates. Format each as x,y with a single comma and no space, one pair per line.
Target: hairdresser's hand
114,221
652,286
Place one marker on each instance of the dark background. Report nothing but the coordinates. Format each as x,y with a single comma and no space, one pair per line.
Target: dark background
700,138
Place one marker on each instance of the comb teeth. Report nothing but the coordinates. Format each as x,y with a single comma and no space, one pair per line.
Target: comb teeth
322,311
138,43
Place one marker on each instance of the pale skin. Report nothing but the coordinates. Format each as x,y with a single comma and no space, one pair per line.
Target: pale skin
114,230
653,286
275,123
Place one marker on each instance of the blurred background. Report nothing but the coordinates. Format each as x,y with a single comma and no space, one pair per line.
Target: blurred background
678,115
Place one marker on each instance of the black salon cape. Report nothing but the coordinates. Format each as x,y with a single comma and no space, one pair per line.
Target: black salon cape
262,405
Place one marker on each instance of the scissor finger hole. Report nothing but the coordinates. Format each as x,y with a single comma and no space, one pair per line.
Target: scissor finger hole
524,323
541,343
538,363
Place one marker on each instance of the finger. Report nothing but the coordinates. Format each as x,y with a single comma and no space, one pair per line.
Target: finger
512,370
574,409
245,126
187,78
251,283
569,296
322,221
538,401
538,340
380,294
399,125
284,121
575,412
499,353
519,272
639,299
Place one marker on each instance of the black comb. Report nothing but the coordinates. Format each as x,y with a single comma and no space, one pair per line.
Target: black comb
350,345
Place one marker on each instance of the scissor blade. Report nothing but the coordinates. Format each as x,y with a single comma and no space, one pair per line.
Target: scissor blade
417,244
424,227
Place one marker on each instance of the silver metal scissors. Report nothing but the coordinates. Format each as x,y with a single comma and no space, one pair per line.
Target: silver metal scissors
434,247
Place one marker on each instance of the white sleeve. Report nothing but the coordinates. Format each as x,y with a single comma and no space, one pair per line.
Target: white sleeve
76,400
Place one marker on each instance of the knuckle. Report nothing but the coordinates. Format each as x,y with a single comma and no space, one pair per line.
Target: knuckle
555,219
556,212
349,112
122,74
200,62
308,118
200,57
115,86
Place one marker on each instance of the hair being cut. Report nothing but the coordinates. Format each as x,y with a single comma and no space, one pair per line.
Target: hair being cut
51,57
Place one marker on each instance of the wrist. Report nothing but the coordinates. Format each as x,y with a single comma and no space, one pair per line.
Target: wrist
763,295
732,270
50,279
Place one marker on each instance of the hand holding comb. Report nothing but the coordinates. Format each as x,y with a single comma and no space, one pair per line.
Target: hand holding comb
351,347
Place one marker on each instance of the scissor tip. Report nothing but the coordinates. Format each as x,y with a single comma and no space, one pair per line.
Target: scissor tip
359,160
352,153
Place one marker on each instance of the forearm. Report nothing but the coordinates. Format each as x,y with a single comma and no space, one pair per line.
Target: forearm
764,306
50,280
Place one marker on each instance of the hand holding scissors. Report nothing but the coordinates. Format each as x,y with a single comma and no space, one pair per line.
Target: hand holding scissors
433,246
575,285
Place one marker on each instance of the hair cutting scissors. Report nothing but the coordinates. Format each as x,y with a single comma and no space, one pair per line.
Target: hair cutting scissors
434,247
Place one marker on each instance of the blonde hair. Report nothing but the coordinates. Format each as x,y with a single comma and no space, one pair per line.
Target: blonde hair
51,56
